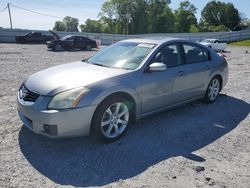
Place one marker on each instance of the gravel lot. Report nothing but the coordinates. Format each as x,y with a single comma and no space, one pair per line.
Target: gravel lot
197,145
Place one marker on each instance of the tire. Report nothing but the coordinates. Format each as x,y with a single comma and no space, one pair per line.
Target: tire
213,90
111,119
22,41
88,47
58,47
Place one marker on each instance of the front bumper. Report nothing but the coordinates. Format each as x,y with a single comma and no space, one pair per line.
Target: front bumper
49,45
55,123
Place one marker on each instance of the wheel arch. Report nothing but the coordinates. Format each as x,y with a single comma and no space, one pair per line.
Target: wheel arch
123,94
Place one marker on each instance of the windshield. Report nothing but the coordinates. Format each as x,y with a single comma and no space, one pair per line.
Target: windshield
124,55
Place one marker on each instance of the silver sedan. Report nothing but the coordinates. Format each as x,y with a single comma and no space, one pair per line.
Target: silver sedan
131,79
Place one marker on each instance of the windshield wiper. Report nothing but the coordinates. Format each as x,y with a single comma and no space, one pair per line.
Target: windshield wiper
99,64
85,60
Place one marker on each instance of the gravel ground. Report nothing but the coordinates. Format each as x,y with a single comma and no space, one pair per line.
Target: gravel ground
197,145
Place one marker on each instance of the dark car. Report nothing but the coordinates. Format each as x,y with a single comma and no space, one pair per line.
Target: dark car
34,37
71,42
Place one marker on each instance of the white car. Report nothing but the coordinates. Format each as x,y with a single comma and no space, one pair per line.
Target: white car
215,44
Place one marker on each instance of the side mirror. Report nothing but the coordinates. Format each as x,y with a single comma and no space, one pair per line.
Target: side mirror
157,66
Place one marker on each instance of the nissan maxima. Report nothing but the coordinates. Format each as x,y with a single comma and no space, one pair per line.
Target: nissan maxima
124,82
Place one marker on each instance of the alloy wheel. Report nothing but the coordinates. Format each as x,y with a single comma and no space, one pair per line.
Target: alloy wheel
115,120
213,89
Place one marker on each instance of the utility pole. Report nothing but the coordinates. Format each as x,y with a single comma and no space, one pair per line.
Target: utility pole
128,16
8,5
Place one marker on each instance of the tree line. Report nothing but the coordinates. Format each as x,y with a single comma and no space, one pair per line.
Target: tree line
156,16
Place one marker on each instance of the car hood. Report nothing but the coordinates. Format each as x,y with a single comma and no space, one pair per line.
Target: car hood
59,78
56,35
205,43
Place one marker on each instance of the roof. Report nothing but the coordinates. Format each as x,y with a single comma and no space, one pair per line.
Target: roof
153,40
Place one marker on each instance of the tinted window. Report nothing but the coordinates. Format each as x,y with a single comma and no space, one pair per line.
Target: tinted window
195,53
79,39
86,39
168,55
82,39
68,38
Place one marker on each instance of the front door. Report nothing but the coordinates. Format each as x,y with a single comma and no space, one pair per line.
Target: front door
164,88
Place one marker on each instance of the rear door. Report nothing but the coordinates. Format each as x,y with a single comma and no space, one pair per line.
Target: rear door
35,37
197,62
80,42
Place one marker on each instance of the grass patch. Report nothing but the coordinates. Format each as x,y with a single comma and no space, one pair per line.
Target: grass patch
241,43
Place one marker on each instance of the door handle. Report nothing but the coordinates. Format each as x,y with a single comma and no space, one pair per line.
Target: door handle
180,73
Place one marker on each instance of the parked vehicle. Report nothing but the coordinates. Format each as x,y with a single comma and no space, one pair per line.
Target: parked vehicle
119,85
215,44
34,37
71,42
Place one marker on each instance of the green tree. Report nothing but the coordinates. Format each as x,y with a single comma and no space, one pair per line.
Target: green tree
71,24
161,17
118,10
92,26
144,16
59,26
217,13
107,17
194,29
185,17
139,18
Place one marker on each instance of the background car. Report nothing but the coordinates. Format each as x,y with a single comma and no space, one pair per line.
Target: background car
119,85
71,42
215,44
34,37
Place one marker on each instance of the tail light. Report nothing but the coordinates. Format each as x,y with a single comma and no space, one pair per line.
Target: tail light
223,55
97,43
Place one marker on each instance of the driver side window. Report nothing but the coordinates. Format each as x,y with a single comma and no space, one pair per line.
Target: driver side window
169,55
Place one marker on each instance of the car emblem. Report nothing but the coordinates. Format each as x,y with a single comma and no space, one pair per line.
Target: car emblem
23,92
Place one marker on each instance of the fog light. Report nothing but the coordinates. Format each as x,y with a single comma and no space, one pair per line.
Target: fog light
50,129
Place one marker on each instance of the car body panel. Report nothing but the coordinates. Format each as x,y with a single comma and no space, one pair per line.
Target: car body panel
33,37
62,119
67,76
215,44
73,42
151,91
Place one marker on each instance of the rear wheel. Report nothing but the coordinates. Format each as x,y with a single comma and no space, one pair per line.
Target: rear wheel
111,119
88,47
213,90
22,41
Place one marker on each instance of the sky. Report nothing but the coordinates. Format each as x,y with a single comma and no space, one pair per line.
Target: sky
81,9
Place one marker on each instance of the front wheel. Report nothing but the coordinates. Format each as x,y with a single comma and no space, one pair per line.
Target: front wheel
58,47
213,90
111,119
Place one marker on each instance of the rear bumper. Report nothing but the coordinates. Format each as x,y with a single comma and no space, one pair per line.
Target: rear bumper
55,123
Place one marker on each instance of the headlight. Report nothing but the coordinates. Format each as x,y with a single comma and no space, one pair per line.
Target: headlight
67,99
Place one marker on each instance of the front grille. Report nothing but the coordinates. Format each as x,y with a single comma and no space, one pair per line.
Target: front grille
26,95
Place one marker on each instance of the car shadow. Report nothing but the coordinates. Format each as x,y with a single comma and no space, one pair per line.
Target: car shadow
180,132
